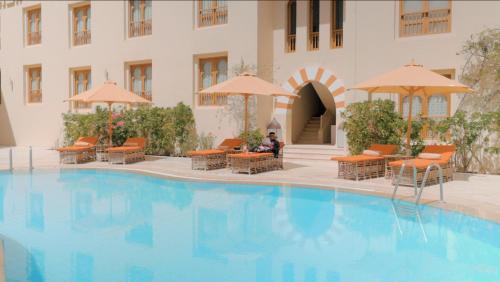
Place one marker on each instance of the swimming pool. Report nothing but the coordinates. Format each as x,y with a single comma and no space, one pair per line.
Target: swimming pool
88,225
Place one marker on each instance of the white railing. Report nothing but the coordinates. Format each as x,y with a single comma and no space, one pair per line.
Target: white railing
325,121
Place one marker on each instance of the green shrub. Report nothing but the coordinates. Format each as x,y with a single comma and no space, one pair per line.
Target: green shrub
165,128
372,122
254,138
472,135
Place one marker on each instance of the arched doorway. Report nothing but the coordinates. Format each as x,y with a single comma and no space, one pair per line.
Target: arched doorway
322,101
313,115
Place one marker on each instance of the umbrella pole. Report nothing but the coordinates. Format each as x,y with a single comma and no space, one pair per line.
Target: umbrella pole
408,129
246,119
110,125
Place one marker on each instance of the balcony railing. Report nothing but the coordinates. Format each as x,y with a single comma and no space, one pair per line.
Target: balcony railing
212,16
35,96
314,41
81,37
337,38
290,43
34,37
434,21
212,99
140,28
148,95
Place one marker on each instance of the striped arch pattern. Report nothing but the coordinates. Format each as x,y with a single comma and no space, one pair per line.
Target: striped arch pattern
308,74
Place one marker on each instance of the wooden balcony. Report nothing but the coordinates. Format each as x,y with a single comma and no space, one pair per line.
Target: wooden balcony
314,41
212,16
34,37
290,43
35,96
148,95
212,99
81,37
420,23
337,38
140,28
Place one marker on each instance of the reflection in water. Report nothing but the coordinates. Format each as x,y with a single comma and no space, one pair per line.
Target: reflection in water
109,226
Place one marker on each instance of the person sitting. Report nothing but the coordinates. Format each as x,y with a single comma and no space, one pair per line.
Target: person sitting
275,148
270,144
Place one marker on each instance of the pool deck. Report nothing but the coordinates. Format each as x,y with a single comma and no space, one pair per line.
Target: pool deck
473,194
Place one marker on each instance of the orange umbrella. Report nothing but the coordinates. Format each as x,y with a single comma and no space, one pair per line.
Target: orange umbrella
109,93
409,80
247,84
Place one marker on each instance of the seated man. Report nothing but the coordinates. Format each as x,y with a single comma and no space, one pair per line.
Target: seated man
275,144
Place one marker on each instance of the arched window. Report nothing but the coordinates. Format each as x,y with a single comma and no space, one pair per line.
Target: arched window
416,107
438,106
291,25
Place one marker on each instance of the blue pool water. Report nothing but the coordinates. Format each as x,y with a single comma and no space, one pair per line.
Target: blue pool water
110,226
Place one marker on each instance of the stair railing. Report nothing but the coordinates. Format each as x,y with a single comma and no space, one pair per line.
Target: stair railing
324,132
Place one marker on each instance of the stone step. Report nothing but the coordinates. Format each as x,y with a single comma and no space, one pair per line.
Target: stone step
311,151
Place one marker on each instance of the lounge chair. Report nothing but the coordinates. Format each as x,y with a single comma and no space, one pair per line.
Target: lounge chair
131,151
431,155
82,150
370,164
214,158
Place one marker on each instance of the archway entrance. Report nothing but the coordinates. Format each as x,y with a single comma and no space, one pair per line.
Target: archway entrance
313,115
322,96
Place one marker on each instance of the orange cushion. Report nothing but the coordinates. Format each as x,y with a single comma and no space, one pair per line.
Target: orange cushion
439,149
230,143
125,149
75,149
250,155
418,163
205,152
384,149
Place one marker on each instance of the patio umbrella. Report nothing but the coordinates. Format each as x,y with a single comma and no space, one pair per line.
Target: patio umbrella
246,85
412,79
109,93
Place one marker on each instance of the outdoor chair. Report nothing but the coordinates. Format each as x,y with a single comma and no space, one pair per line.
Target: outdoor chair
131,151
82,150
252,162
214,158
414,169
370,164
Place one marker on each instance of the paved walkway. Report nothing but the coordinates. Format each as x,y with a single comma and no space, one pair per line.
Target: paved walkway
477,195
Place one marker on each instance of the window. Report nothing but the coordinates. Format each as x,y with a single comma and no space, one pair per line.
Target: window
140,17
337,25
82,81
211,72
416,107
291,25
313,30
81,25
212,12
424,17
34,26
34,94
141,80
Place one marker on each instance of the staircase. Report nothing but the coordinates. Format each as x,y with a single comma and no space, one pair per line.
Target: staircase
309,134
309,152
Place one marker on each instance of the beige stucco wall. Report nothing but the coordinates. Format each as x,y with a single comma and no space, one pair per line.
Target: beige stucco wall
255,32
173,48
372,44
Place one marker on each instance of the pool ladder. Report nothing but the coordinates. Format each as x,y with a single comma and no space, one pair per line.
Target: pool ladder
11,163
418,194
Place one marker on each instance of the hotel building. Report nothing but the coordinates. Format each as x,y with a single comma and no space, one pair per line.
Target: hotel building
166,51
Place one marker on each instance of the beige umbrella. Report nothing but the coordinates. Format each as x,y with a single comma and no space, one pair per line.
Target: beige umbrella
109,93
246,85
409,80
